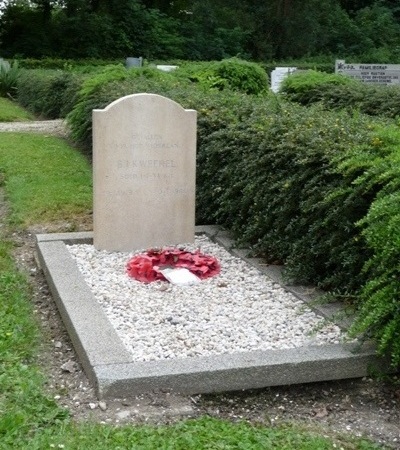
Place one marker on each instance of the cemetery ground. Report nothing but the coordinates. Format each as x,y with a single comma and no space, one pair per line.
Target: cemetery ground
298,416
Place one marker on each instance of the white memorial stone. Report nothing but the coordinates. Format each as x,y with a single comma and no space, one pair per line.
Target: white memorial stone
144,170
166,68
278,75
133,62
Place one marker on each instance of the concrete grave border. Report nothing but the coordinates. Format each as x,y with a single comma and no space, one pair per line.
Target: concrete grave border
111,369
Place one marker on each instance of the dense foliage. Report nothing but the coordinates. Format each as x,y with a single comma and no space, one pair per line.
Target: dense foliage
9,74
379,315
115,82
234,74
201,29
340,92
46,93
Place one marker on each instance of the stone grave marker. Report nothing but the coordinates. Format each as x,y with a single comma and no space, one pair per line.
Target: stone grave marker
133,62
166,68
144,164
278,75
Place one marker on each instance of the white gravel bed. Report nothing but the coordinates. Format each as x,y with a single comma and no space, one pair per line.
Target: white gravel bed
239,310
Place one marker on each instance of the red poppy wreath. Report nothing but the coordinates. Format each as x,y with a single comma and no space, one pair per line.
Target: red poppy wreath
146,267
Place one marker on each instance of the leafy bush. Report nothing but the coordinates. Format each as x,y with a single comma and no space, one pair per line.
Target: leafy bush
235,74
9,74
326,65
379,313
273,180
50,94
100,90
338,91
308,87
215,108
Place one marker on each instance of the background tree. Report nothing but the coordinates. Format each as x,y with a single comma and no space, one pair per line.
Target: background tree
24,31
212,31
202,29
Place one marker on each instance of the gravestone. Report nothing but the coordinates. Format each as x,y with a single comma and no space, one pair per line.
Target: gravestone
166,68
144,164
278,75
133,62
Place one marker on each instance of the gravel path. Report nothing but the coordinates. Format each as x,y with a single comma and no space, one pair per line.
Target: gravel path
57,127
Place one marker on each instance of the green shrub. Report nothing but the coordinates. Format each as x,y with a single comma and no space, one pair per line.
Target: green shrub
326,65
233,73
100,90
338,91
308,87
379,313
215,108
9,74
274,181
47,93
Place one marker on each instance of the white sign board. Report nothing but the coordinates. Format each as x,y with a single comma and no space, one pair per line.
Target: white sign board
386,74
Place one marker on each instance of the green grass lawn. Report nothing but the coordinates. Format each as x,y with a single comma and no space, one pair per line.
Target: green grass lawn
12,112
47,180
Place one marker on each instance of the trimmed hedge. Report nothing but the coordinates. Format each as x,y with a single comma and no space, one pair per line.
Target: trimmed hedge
341,92
109,85
274,181
65,64
379,302
327,67
50,94
115,82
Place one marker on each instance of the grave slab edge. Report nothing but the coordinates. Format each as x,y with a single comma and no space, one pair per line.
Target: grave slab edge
247,370
96,344
114,374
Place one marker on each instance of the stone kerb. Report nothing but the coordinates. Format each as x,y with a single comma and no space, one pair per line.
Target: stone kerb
144,164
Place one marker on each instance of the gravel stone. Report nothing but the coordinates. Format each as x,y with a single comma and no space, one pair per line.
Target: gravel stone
249,313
